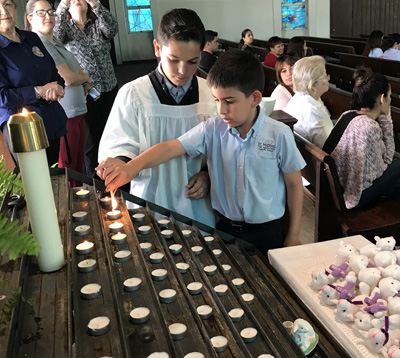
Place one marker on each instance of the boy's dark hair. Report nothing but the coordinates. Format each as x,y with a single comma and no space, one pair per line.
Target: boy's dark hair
273,41
210,35
368,86
181,25
239,69
393,38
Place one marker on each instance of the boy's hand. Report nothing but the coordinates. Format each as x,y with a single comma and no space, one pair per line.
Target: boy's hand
115,173
291,241
199,186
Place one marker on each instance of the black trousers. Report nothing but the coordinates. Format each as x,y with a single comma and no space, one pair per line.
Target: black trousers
96,120
265,236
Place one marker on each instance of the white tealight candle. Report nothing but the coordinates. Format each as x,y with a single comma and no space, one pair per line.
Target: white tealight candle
114,215
210,270
99,325
158,355
82,194
84,248
167,296
182,267
238,282
138,217
167,234
163,222
265,356
217,252
209,240
82,230
144,230
119,238
159,274
220,343
249,334
178,331
140,315
122,256
194,355
248,298
105,202
186,233
87,265
90,291
221,290
227,268
197,250
145,246
116,227
204,311
132,284
175,249
194,288
156,257
79,216
236,314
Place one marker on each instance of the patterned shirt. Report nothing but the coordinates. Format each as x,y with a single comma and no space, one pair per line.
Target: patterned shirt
91,46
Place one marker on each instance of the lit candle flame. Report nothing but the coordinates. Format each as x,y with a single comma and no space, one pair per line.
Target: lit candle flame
113,200
81,191
24,112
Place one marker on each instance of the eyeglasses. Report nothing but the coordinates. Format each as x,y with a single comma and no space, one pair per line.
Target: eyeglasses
42,13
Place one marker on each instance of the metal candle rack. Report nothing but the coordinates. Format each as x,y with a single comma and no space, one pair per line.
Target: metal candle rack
126,339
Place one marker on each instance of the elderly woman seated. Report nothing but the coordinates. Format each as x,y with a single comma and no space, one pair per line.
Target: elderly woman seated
310,82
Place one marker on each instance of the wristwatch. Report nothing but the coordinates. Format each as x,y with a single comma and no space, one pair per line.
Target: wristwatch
38,95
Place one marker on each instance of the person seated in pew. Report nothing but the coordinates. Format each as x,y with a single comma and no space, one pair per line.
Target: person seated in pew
362,143
283,93
211,45
246,41
253,162
162,106
393,53
310,82
298,45
374,44
276,48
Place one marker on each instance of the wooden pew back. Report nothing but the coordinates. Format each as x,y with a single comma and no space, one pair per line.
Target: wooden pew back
329,50
227,44
270,80
358,45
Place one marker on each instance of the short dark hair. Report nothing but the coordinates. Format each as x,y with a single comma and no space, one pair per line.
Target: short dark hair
210,35
181,25
239,69
368,86
273,41
393,38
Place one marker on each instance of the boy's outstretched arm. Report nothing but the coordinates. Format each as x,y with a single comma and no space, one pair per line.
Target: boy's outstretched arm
294,190
116,173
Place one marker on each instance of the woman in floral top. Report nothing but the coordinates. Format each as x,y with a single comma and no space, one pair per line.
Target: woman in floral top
86,27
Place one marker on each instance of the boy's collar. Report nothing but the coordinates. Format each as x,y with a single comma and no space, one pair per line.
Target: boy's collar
169,84
256,126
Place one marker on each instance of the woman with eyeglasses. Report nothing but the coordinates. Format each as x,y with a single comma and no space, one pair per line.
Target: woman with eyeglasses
40,18
283,93
86,28
310,82
29,79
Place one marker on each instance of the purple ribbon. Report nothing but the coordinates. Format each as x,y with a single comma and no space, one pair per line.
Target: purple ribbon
385,330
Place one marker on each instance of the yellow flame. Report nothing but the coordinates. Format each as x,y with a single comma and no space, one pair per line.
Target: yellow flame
114,203
24,112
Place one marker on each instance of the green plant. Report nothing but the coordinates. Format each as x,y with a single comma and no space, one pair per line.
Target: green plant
9,180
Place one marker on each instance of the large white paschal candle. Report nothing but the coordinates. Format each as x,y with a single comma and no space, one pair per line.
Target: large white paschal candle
29,140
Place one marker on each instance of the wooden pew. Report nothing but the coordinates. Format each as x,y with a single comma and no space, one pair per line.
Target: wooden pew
227,44
332,219
358,45
270,80
329,50
201,73
380,65
261,52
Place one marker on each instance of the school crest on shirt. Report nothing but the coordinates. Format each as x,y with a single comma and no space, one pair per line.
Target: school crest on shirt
37,52
265,146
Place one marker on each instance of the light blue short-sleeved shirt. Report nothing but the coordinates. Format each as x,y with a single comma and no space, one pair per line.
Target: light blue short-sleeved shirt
246,175
392,54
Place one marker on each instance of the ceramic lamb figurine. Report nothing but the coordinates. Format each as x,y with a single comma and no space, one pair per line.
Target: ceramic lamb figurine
369,250
397,254
376,341
329,295
362,323
392,271
385,243
344,253
345,311
389,287
384,259
319,279
394,305
369,278
358,262
394,322
393,352
303,334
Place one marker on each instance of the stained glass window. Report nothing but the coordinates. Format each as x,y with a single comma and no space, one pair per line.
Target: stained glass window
139,15
293,16
292,1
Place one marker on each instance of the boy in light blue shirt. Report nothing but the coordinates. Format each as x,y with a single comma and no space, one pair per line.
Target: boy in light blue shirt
253,161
